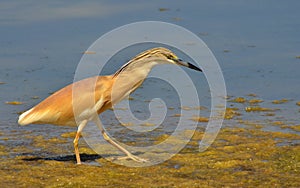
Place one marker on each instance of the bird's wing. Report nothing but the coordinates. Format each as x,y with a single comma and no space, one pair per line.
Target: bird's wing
59,107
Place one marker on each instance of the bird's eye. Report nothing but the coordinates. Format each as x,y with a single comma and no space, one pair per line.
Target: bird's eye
170,57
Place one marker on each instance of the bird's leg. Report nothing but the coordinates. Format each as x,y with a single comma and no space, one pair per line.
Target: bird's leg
129,155
109,140
80,127
76,147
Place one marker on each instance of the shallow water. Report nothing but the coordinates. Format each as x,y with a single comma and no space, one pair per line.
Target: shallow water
256,44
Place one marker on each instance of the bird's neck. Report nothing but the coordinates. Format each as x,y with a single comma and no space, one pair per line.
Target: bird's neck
129,80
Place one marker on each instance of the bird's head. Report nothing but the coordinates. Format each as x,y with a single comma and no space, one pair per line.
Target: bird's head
163,55
143,62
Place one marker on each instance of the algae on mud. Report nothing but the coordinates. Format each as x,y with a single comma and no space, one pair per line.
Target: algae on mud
244,154
239,157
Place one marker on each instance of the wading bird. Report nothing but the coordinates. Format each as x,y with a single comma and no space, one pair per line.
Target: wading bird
64,108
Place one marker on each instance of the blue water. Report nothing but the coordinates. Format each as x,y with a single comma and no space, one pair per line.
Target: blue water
255,42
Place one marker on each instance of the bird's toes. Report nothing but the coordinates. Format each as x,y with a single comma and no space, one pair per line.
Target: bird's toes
139,159
132,157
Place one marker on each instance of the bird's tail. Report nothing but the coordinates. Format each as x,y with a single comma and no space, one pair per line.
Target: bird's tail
25,118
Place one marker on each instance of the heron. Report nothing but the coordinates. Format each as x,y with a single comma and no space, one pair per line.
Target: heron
106,91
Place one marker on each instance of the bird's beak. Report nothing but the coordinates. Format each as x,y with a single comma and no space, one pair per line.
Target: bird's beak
186,64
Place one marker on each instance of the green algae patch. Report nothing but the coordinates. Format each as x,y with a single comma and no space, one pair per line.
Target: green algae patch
35,97
193,108
3,151
250,124
269,114
238,100
177,115
14,102
148,124
52,145
186,108
197,135
292,127
227,164
200,108
69,135
278,123
163,9
163,137
280,101
257,109
252,95
255,101
86,150
127,124
130,98
230,113
295,127
298,103
57,141
200,119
